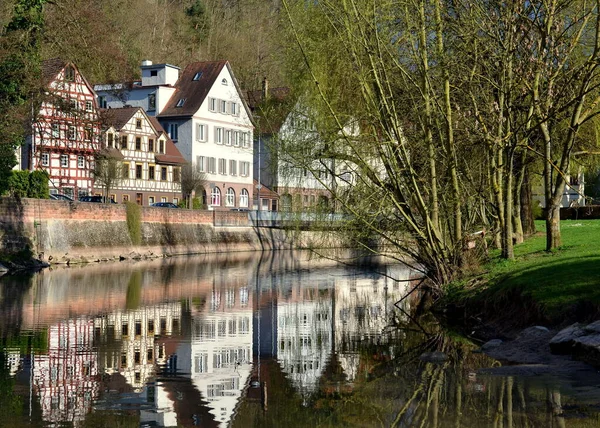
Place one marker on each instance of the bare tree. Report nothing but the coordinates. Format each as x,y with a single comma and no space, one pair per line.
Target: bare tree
192,180
108,170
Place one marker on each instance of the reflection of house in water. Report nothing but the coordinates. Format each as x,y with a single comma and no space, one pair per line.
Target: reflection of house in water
218,357
13,359
365,311
66,378
137,351
304,337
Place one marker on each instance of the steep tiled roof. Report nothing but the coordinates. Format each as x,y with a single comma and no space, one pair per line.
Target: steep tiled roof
50,69
194,91
270,113
118,117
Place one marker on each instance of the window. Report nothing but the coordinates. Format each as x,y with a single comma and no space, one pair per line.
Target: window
227,137
173,131
124,141
88,134
151,172
201,133
138,171
224,82
175,201
150,145
45,159
215,196
223,166
245,169
89,106
73,104
64,161
125,198
163,173
80,162
125,169
151,101
150,202
233,167
153,73
230,198
72,132
138,143
101,101
223,106
176,175
236,138
161,146
212,104
138,124
200,163
245,137
234,109
69,74
180,103
55,130
163,327
219,135
110,137
212,165
244,198
197,76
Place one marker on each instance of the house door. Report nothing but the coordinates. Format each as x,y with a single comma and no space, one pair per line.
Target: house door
139,198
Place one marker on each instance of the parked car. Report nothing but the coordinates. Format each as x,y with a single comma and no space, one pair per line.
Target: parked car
164,205
60,197
94,198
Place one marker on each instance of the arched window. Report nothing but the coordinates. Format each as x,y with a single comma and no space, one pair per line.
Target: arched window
244,198
204,197
224,82
230,198
215,197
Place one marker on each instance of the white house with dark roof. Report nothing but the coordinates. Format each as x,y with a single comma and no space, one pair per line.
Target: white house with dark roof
207,118
151,164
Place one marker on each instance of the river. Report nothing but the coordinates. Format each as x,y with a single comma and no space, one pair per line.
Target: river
253,340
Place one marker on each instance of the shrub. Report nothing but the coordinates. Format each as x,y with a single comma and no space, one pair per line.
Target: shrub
18,183
197,204
38,185
537,211
134,222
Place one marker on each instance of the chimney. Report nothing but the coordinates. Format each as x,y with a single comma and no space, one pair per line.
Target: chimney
265,88
146,62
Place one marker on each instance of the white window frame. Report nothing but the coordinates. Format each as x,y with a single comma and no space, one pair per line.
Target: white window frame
228,137
64,161
89,106
212,104
201,163
212,165
222,166
232,167
234,109
55,130
174,131
72,132
215,197
245,139
223,106
45,159
219,135
236,138
244,198
230,197
201,132
80,162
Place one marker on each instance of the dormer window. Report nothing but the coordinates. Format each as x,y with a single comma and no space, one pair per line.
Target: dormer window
224,82
180,102
197,76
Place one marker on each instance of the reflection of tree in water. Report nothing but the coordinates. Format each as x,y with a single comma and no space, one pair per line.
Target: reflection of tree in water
14,289
134,291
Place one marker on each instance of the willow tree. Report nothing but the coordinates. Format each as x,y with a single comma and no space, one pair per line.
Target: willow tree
379,81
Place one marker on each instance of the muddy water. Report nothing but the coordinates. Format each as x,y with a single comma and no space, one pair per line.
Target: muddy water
248,340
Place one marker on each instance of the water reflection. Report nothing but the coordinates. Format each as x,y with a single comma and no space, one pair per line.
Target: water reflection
242,340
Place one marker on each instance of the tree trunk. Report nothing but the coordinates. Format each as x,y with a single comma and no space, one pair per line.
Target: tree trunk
553,240
527,220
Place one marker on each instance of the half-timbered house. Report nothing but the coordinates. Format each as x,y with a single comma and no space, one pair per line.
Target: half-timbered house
151,164
65,132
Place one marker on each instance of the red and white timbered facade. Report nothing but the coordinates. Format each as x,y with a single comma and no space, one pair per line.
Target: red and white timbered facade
65,134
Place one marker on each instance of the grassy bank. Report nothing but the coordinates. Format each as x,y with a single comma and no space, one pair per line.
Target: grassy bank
538,286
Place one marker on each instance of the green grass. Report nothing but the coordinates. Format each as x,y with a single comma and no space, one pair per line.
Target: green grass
555,282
